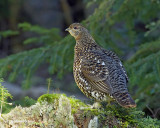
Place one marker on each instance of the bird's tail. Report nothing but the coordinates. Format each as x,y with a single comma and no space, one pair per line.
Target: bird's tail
124,99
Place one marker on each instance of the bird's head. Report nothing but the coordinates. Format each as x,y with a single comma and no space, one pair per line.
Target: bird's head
76,30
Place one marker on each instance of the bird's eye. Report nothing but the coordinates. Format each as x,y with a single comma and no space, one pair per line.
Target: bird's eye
75,27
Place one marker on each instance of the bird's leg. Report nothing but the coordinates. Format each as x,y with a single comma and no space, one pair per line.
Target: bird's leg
109,100
108,103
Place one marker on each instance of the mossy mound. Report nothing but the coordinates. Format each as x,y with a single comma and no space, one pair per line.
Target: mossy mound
56,110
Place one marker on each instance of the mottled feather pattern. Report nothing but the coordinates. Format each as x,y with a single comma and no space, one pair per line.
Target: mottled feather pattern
98,73
115,57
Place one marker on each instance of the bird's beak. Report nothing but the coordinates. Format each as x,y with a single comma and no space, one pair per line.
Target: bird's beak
67,29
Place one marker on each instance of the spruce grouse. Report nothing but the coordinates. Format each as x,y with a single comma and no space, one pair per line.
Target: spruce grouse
98,73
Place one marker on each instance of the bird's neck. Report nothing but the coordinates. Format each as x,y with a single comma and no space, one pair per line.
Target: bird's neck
85,41
84,44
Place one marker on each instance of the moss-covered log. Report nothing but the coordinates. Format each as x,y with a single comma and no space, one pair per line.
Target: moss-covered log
60,111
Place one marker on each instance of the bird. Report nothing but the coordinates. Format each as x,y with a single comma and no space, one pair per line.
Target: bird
98,72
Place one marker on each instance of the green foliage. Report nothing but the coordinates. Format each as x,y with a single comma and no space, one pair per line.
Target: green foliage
53,52
144,70
46,36
144,74
4,95
8,33
121,24
25,102
153,28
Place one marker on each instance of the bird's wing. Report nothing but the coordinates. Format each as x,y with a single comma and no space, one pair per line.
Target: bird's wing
96,72
104,72
116,58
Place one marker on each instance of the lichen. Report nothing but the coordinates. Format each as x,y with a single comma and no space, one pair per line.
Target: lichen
93,123
50,98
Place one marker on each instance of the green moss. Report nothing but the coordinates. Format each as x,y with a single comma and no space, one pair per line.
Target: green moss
48,98
127,117
76,104
91,111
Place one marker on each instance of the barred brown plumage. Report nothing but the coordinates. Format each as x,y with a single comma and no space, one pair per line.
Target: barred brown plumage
98,73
